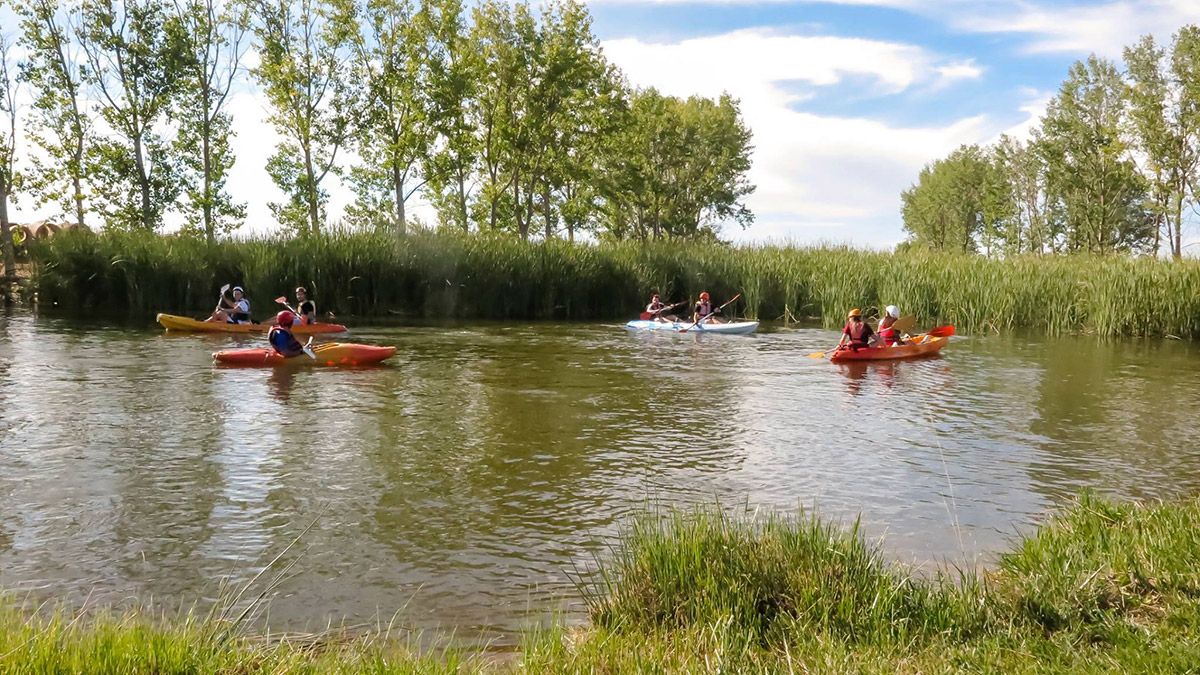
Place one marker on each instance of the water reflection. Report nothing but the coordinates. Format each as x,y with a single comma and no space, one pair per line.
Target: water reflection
466,479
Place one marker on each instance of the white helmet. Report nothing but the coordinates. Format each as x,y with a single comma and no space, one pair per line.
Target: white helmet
893,311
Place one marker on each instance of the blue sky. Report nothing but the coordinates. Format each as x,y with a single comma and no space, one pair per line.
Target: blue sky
847,99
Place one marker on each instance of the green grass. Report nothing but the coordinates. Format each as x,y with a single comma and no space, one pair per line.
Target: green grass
1100,588
447,275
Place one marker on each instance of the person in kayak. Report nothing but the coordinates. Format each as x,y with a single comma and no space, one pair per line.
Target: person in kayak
887,333
281,338
306,309
655,310
236,310
705,310
857,334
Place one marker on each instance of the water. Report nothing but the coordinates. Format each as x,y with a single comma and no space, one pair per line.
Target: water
464,483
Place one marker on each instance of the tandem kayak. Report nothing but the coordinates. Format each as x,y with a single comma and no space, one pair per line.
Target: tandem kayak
734,328
328,354
927,346
183,323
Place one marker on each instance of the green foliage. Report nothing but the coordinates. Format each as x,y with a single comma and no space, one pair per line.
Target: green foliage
661,186
958,202
60,126
304,73
135,54
448,274
213,37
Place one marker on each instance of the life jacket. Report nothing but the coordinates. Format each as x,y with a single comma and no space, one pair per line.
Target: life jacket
888,335
240,312
655,306
859,333
704,308
308,311
283,342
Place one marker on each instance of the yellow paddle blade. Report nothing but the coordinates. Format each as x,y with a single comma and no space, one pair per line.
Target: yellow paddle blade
817,355
905,323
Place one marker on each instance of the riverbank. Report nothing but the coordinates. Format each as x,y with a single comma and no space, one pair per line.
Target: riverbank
1101,587
436,275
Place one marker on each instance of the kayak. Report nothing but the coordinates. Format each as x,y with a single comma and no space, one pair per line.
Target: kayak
921,346
328,354
183,323
734,328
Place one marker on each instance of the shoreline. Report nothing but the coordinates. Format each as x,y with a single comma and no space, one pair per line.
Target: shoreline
1099,586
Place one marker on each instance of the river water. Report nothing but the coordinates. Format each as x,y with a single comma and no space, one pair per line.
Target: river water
463,484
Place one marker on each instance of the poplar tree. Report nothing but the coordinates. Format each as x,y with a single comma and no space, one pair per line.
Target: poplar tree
8,156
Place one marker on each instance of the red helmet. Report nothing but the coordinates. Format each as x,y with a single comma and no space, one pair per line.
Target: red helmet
704,295
285,318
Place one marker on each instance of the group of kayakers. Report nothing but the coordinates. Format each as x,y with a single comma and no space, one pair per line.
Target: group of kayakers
704,310
858,334
236,308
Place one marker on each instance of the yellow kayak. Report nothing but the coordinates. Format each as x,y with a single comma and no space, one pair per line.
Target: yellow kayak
184,323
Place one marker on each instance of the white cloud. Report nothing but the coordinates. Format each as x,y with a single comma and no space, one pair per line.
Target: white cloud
818,176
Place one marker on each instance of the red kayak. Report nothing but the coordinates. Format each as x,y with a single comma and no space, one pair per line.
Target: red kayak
328,354
923,345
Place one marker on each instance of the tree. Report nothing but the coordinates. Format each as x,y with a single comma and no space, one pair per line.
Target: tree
454,152
959,202
392,128
135,56
1164,104
680,168
1032,227
304,71
213,34
60,125
1089,172
8,156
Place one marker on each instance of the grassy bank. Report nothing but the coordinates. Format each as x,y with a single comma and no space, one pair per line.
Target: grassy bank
451,276
1100,588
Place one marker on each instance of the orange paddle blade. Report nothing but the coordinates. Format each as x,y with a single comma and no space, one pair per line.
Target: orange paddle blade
942,331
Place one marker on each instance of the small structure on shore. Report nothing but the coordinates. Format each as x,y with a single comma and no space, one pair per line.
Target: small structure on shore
42,229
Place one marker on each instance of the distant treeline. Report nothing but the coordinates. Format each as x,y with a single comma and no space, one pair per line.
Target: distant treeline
452,275
1114,165
508,119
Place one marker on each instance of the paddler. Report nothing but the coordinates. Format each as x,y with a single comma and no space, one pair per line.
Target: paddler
655,310
888,335
705,310
857,333
306,309
236,310
281,338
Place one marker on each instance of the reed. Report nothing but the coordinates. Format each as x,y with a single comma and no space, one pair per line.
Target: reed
448,275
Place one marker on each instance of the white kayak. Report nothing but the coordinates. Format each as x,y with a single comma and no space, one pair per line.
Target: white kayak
733,328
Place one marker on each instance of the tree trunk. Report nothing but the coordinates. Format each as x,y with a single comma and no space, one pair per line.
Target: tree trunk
314,227
548,210
143,183
1177,245
210,232
76,173
398,185
6,242
462,202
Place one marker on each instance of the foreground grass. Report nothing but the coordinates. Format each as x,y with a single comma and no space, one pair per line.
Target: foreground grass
1100,588
432,275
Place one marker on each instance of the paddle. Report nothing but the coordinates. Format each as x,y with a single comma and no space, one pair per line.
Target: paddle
904,323
941,331
308,349
711,313
224,290
646,316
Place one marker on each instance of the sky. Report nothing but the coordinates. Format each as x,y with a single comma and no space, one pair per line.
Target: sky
846,99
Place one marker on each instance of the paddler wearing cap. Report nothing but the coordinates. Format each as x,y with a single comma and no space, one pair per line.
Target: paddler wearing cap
281,338
857,334
236,310
705,310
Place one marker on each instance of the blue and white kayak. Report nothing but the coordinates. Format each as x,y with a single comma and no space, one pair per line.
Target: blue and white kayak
733,328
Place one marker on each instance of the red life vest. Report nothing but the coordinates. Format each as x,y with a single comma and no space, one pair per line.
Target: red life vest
859,333
888,335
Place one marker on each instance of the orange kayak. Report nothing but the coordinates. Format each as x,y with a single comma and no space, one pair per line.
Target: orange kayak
923,345
328,354
183,323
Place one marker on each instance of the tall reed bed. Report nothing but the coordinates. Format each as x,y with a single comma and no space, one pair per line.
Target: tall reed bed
447,275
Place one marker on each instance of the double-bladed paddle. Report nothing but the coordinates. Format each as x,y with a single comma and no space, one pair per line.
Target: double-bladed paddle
646,316
224,290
